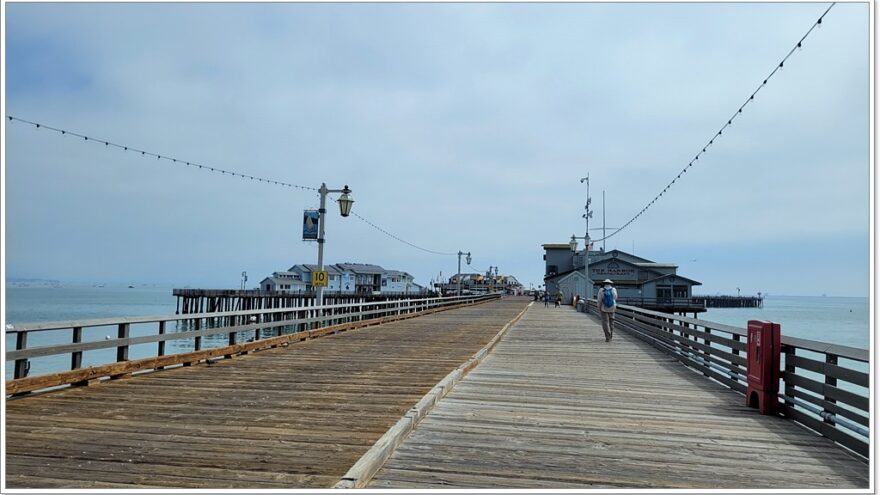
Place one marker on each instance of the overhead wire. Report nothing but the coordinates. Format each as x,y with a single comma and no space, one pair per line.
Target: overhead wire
190,163
728,123
179,161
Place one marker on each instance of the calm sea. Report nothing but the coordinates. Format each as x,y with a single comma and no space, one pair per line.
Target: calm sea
838,320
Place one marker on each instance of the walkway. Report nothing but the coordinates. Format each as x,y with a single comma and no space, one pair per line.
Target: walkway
554,406
294,417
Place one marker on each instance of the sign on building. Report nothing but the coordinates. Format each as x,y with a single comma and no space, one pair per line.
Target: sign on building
310,225
319,279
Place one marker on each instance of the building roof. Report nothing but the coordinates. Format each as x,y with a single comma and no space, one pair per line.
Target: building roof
311,268
611,254
693,282
360,268
556,246
656,265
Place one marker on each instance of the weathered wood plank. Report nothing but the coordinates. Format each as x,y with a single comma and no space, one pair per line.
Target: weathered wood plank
294,416
554,406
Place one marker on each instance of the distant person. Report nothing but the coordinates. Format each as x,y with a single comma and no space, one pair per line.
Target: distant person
606,298
546,300
559,297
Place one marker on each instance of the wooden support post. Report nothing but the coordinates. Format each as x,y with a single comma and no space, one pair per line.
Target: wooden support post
21,365
122,350
161,342
76,357
788,352
830,380
198,340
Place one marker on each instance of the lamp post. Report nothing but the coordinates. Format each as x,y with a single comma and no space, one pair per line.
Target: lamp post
573,245
345,203
468,259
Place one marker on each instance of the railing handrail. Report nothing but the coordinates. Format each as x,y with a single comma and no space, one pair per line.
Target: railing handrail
848,352
810,383
304,321
101,322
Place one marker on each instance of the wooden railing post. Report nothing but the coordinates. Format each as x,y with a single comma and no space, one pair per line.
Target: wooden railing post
122,350
161,351
197,345
21,365
829,380
76,356
788,351
708,343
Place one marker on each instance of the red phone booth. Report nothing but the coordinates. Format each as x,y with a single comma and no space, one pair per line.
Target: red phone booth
764,347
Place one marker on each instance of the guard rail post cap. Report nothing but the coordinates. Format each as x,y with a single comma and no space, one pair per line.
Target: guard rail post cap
763,359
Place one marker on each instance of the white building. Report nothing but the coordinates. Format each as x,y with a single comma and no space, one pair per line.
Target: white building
345,278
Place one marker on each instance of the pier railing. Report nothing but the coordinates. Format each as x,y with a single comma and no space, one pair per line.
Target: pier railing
203,337
824,387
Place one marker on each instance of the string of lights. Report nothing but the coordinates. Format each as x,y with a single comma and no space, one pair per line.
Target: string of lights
389,234
213,169
171,159
727,124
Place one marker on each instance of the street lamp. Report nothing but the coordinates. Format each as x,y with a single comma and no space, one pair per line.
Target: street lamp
468,259
345,203
573,245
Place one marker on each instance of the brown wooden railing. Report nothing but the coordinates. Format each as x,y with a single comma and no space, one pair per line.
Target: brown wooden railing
231,333
823,386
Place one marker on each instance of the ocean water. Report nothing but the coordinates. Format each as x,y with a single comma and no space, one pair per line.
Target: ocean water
837,320
42,304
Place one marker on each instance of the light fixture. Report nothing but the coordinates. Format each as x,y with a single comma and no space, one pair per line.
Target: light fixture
345,202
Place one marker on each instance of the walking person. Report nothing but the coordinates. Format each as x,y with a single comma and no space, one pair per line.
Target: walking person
606,298
546,300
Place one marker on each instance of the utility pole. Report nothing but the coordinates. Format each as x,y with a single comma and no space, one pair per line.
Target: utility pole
587,215
468,259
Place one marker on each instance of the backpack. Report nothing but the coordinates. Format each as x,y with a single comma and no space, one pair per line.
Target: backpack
608,298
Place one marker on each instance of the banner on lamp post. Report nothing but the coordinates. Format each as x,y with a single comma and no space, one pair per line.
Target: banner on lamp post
310,225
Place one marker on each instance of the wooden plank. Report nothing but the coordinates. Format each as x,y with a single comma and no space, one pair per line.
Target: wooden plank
95,372
290,416
554,405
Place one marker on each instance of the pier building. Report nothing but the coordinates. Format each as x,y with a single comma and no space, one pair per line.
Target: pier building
639,281
481,283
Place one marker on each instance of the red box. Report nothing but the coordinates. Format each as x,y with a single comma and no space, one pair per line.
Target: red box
764,347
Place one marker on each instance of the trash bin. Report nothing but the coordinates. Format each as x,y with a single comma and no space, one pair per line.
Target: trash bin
580,306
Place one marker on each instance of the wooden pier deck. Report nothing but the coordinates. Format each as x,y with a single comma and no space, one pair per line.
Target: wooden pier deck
554,406
293,417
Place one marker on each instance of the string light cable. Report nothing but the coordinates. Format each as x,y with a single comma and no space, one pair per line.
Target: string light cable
389,234
728,123
179,161
208,168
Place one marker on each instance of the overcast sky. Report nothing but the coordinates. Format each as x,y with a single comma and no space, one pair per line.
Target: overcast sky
457,126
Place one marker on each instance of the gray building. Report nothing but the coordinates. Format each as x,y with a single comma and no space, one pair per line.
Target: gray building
639,281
